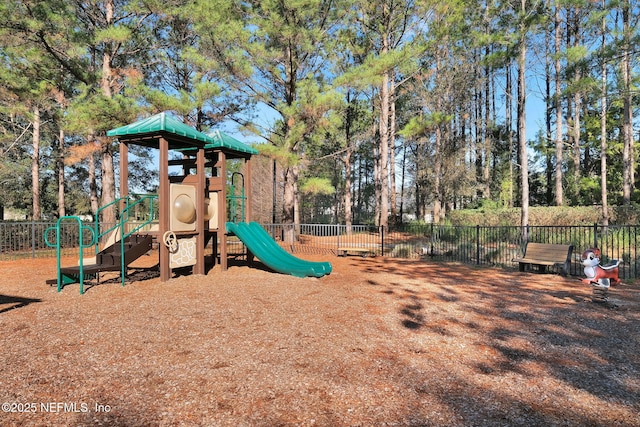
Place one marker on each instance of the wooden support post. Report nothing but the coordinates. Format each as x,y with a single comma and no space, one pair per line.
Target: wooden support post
124,172
164,210
247,189
222,210
198,268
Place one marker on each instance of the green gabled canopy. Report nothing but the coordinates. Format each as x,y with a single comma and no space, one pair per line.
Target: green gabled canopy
222,140
161,124
179,135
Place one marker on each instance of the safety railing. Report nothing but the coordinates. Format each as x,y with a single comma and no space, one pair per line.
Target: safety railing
140,206
236,199
124,227
82,244
119,231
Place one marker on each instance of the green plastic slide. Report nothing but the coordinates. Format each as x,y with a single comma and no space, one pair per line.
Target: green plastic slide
260,243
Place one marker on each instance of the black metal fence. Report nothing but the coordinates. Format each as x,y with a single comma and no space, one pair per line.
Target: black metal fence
479,245
26,239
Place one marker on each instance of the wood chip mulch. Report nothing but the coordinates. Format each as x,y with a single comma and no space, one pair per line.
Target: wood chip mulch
379,342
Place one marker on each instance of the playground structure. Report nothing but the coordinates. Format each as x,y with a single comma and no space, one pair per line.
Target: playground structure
191,208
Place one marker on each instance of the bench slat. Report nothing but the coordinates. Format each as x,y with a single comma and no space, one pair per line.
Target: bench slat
536,261
544,254
343,251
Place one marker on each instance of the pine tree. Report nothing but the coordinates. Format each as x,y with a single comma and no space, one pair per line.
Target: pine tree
273,53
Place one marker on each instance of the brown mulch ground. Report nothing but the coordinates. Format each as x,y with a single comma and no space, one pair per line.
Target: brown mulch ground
379,342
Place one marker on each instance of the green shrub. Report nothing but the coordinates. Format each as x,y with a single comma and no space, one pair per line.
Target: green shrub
404,251
544,215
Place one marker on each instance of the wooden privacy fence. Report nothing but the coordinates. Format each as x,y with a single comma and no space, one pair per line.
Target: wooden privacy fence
479,245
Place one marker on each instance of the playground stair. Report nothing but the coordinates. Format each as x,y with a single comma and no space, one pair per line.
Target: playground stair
110,258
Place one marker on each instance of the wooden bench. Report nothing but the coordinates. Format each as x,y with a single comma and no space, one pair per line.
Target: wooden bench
364,252
544,255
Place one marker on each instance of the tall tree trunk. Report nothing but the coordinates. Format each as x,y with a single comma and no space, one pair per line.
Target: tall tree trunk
603,130
559,196
274,190
437,151
574,37
108,182
392,147
509,120
348,165
383,122
476,130
402,177
377,173
93,186
548,114
106,82
348,203
60,166
486,146
383,152
296,201
289,202
289,213
437,180
603,148
577,112
488,123
627,110
35,165
522,129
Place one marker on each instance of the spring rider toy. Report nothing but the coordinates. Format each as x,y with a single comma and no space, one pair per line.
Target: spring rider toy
600,277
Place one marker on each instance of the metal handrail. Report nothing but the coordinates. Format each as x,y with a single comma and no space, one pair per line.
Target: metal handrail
124,215
96,235
232,199
124,218
81,245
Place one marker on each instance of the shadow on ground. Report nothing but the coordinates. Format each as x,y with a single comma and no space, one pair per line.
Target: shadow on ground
8,302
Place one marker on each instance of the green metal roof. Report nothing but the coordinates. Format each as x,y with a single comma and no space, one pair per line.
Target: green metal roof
187,136
222,140
161,122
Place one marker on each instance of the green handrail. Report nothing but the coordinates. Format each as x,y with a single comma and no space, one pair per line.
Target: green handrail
232,199
124,218
58,246
96,235
124,215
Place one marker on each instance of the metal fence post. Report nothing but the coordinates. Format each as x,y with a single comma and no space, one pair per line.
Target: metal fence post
33,239
477,244
431,245
595,234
